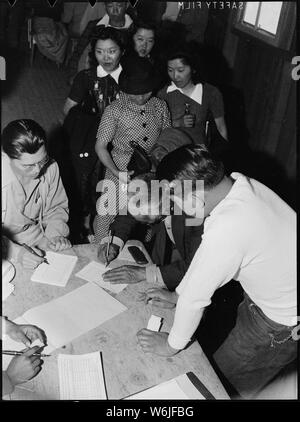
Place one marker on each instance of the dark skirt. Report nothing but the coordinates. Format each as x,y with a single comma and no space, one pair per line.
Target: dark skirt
85,169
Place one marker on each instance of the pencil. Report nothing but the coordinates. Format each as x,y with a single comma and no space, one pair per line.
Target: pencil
15,353
29,249
107,248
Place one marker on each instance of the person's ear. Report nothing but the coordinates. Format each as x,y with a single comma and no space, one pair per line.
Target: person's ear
199,198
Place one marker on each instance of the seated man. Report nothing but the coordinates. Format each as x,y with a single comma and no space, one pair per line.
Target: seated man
250,235
34,202
116,17
169,231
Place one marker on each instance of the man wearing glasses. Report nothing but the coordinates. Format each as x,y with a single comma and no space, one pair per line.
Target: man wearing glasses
34,202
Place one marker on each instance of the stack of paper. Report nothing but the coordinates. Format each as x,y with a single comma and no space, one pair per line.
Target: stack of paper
93,272
81,377
57,272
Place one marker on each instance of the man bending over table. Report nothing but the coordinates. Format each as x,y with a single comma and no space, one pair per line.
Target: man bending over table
249,235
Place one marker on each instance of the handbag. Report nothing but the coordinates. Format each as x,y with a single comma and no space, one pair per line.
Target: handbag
140,161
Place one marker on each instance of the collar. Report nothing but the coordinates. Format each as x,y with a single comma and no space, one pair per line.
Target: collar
101,73
196,94
105,21
7,175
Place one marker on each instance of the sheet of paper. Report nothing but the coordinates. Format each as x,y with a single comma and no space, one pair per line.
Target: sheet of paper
154,323
179,388
81,377
58,272
93,272
74,314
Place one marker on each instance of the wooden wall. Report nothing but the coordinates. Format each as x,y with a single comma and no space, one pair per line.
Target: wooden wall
260,101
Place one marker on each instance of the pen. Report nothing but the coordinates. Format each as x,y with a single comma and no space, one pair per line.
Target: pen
29,249
107,248
15,353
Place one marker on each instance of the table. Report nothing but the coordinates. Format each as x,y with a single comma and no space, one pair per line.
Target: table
127,369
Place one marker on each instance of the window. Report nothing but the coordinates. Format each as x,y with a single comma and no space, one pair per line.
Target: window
272,21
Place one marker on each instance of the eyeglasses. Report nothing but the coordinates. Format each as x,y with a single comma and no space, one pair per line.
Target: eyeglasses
41,164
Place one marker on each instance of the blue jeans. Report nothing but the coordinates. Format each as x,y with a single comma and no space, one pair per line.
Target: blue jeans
255,351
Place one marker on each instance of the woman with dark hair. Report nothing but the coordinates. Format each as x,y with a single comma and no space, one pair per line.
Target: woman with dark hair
136,118
191,102
34,201
92,90
142,40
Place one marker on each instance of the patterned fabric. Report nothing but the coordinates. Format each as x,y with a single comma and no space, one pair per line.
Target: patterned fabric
121,123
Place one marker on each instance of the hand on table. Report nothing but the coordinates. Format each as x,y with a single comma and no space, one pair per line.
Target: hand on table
113,252
127,274
28,260
153,342
59,243
161,298
24,333
24,367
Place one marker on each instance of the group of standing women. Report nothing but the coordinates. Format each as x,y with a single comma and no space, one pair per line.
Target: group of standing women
122,100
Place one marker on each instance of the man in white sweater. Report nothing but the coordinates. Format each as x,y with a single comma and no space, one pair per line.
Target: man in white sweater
250,236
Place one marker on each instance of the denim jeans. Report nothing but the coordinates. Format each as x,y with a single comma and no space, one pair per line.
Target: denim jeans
256,349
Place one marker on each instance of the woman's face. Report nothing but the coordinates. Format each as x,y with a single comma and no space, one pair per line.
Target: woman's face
108,54
179,73
139,99
143,41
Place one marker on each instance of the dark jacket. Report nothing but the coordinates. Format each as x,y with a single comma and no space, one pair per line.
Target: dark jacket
187,240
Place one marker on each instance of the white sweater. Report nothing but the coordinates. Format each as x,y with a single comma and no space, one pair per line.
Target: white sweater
250,236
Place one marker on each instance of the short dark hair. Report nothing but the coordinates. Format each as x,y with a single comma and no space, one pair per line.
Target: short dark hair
141,24
192,163
188,57
22,136
107,33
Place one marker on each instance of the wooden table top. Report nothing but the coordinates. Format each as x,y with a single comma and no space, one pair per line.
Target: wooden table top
127,369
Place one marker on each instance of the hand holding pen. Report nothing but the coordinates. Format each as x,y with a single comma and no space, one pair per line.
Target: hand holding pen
30,257
24,366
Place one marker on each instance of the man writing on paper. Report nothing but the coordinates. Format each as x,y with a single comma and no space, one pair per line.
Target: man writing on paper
34,201
249,235
169,232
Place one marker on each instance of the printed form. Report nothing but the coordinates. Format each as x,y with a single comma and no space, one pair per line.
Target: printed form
81,377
